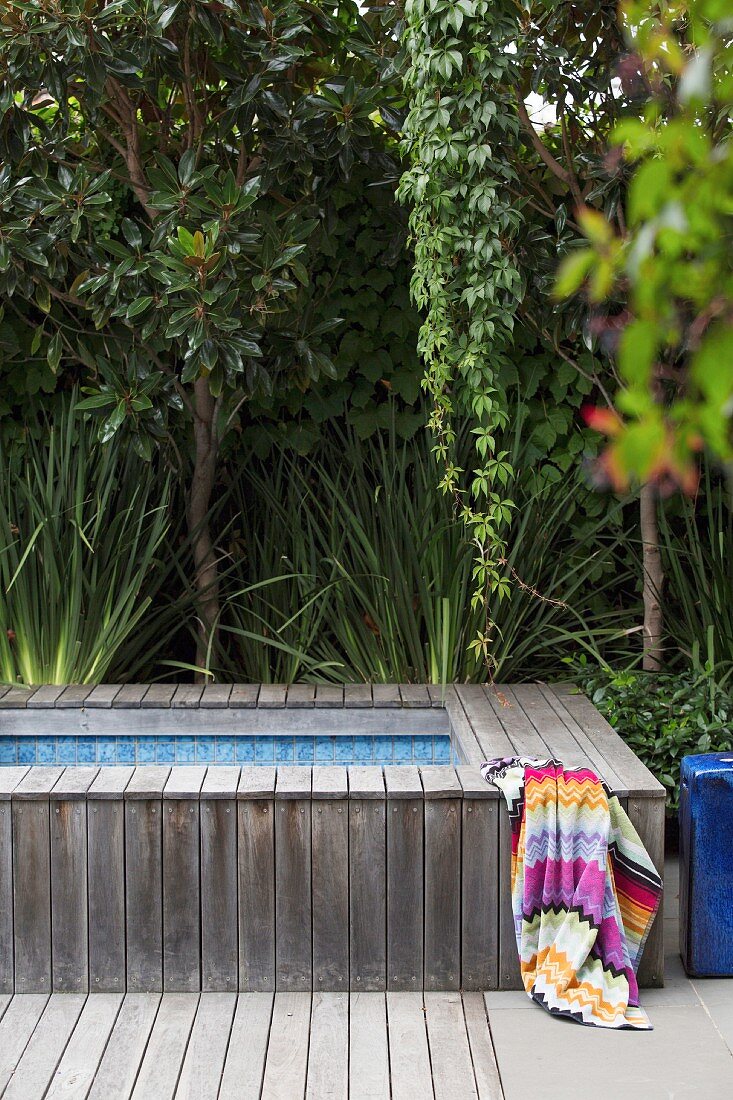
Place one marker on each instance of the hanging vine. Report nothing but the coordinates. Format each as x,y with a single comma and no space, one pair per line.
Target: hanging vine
460,73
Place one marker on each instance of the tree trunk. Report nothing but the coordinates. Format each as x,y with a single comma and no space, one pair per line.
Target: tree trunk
653,579
202,486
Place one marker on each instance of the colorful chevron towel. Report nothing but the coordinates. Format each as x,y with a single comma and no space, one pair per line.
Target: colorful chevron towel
584,891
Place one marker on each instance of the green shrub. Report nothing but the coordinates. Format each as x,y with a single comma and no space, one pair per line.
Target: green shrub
81,530
662,717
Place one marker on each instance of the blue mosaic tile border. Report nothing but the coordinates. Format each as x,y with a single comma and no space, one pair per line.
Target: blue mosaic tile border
208,749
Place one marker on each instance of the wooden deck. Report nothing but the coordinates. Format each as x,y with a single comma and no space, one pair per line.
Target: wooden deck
251,1046
297,878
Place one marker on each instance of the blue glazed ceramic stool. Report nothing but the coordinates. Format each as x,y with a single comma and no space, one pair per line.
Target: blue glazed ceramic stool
706,864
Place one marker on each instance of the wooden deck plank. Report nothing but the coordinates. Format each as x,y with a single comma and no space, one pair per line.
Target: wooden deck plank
286,1066
480,892
293,877
102,696
386,695
367,879
358,695
368,1047
272,696
450,1053
16,1027
556,735
45,1047
415,695
78,1066
329,696
409,1058
526,740
328,1055
633,773
32,881
207,1047
301,695
215,696
45,696
144,879
69,901
161,1066
405,883
9,780
187,696
158,695
244,1067
442,962
597,761
219,920
330,878
489,732
73,696
181,879
485,1068
244,696
130,695
256,883
5,999
124,1052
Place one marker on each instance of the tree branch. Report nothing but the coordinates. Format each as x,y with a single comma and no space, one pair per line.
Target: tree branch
540,148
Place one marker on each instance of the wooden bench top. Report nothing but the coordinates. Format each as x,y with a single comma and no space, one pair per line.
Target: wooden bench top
486,721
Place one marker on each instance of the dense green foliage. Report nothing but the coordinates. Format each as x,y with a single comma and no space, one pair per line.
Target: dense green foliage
669,260
664,718
83,528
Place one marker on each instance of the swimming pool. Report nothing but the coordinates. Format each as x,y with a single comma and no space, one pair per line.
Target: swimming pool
204,748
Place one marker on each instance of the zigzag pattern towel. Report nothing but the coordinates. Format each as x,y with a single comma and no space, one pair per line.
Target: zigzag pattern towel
584,891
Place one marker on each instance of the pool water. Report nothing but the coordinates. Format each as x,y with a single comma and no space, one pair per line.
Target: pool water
230,749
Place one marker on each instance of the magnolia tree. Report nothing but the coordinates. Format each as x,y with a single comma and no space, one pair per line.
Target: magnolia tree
165,182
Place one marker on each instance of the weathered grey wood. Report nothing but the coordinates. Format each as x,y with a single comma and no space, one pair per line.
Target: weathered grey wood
73,696
219,920
130,696
405,884
45,696
244,696
293,904
301,695
181,880
368,1047
73,784
485,1068
221,781
647,816
244,1068
558,738
45,1047
111,783
415,695
106,880
509,973
9,780
147,781
441,782
187,696
287,1053
366,782
166,1048
76,1070
367,879
257,782
558,726
330,878
37,783
144,881
479,892
489,732
358,695
102,695
158,695
438,694
32,880
449,1049
386,695
634,774
15,697
16,1027
207,1047
256,890
272,695
329,696
124,1052
69,927
442,968
463,738
409,1058
5,999
523,735
215,696
328,1053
